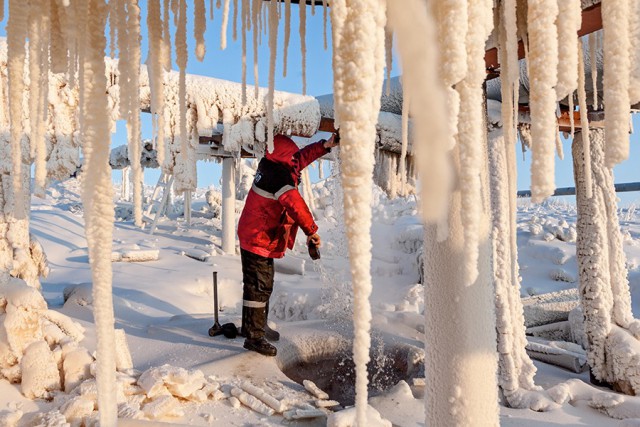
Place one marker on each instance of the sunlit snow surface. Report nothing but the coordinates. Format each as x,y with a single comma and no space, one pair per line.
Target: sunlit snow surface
165,307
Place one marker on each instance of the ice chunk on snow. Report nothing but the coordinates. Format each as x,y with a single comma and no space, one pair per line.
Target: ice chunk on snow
123,356
178,381
75,367
347,418
39,371
314,389
162,407
252,402
398,405
77,408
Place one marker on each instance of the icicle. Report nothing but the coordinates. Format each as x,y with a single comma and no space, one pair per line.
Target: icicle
235,20
471,130
324,23
257,4
321,169
97,198
273,47
543,65
388,47
584,121
133,113
58,43
406,101
287,33
1,10
313,7
634,51
156,74
593,60
211,10
559,150
245,19
568,23
452,23
199,27
357,86
16,34
35,35
225,21
124,63
166,37
303,45
617,66
510,69
113,27
572,110
181,60
39,87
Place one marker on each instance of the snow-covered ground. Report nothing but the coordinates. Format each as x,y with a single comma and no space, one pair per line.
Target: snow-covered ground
165,307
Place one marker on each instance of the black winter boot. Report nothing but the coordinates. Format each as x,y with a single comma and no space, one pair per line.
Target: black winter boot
269,333
260,345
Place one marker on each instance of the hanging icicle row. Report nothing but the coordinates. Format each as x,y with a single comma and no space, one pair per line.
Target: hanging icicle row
617,66
98,202
584,121
543,65
273,46
287,34
225,23
303,44
16,55
199,27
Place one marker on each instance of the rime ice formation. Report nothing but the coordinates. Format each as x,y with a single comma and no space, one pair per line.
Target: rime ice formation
617,64
543,64
604,288
515,369
357,105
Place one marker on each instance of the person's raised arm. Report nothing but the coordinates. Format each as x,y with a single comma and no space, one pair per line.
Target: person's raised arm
312,152
298,210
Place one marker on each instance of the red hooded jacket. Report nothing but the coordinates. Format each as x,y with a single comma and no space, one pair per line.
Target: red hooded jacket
274,208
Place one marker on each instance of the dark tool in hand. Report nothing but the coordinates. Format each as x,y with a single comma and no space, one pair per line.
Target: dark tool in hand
229,330
314,251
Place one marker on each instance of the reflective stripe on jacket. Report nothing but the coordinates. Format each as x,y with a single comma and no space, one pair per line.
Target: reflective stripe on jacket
274,208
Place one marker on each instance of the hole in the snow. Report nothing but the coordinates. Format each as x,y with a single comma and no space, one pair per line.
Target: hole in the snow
332,368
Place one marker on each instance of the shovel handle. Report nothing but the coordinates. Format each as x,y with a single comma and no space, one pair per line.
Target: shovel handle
215,296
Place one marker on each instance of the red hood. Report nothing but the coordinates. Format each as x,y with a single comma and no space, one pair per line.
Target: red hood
283,150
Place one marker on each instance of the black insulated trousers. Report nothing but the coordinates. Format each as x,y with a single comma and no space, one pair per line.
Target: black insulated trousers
257,278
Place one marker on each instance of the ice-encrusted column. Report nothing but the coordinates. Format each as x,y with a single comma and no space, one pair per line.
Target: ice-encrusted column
228,205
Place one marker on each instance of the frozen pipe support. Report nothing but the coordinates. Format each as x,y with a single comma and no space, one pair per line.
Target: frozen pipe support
228,205
126,184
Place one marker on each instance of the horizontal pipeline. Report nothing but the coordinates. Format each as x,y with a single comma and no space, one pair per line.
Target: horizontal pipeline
571,191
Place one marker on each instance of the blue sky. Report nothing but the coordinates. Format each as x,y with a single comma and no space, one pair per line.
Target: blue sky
227,64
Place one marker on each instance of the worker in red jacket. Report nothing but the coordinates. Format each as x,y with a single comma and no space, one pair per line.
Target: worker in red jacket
272,213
